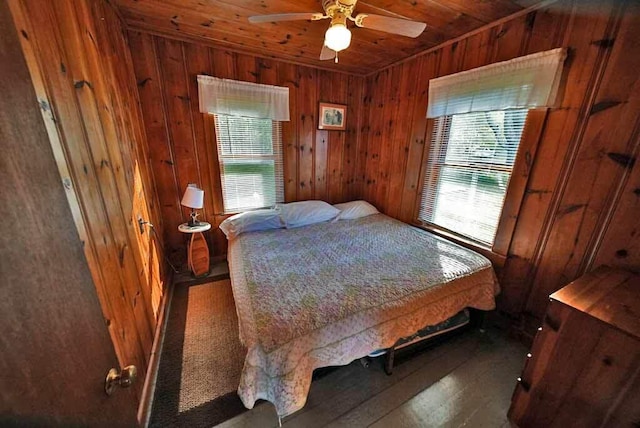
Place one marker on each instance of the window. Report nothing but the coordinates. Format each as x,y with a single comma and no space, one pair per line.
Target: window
250,155
468,170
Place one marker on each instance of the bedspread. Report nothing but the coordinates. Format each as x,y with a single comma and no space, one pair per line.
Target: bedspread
330,293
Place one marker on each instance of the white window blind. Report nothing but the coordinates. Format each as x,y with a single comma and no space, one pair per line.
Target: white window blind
468,171
251,166
527,82
246,99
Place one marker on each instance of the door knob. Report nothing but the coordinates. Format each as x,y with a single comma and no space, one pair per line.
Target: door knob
124,379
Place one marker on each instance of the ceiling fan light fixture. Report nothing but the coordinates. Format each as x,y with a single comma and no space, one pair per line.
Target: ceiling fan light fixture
337,37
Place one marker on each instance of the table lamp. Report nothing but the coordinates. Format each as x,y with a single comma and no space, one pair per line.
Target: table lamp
193,198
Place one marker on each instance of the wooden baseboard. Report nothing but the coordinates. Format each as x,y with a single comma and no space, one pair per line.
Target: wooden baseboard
148,390
218,270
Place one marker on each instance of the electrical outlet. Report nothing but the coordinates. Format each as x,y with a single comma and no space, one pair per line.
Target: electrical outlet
141,224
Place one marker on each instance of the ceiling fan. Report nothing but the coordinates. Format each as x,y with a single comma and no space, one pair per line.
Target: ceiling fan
338,36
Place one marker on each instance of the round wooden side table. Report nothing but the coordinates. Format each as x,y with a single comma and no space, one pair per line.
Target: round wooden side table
198,251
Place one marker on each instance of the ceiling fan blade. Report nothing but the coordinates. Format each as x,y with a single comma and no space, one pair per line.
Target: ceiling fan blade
327,53
403,27
313,16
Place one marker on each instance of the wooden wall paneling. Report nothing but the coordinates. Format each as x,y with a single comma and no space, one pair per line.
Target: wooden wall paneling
186,138
336,91
374,138
320,156
390,113
80,72
573,151
558,142
141,202
107,150
548,26
175,86
197,62
149,80
452,58
246,68
620,246
224,63
99,243
325,90
267,71
617,241
336,180
145,202
307,125
588,64
350,187
51,116
599,166
531,133
52,323
511,38
426,67
288,76
364,131
478,50
401,127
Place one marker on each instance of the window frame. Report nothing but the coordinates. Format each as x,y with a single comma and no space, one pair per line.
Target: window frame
277,157
497,252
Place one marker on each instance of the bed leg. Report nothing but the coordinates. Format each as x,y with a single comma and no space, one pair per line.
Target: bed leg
365,362
388,361
482,324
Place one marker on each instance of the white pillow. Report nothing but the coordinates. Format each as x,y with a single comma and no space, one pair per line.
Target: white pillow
251,221
355,209
303,213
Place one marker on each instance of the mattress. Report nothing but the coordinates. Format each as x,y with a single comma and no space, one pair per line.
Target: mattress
327,294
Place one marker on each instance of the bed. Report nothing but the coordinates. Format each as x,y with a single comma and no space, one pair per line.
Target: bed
329,293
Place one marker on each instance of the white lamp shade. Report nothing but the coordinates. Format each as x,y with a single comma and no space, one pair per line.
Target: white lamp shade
337,37
193,197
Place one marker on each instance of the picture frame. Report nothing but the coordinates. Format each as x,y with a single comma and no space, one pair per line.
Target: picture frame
332,116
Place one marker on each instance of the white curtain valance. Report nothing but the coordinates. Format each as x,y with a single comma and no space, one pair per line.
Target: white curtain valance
231,97
526,82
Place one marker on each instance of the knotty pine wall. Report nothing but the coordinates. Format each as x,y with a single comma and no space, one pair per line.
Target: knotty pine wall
582,200
182,146
82,74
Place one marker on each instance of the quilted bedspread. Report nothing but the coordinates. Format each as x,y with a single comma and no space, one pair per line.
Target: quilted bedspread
330,293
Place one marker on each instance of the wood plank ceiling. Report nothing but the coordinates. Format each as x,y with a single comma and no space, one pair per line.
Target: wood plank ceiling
224,23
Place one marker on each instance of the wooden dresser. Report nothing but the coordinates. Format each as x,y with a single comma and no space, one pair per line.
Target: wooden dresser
584,366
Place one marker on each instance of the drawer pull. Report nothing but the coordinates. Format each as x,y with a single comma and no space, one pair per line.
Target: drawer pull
524,385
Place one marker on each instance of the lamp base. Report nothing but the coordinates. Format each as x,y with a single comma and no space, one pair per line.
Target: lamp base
193,220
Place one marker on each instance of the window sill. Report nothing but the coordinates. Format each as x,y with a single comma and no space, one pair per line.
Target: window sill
497,260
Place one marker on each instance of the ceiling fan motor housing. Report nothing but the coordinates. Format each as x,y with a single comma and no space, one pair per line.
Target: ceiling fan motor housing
336,7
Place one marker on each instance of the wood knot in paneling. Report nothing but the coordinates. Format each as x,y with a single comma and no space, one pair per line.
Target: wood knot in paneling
81,83
604,43
603,105
622,159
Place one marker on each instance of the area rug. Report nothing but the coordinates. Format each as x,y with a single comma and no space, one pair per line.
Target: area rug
201,359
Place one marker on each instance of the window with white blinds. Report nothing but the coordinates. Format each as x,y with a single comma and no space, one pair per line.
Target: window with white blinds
250,155
468,171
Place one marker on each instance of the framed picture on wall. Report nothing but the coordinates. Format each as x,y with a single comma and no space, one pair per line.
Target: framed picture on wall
332,116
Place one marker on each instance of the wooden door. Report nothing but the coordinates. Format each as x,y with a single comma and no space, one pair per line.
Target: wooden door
82,75
55,349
